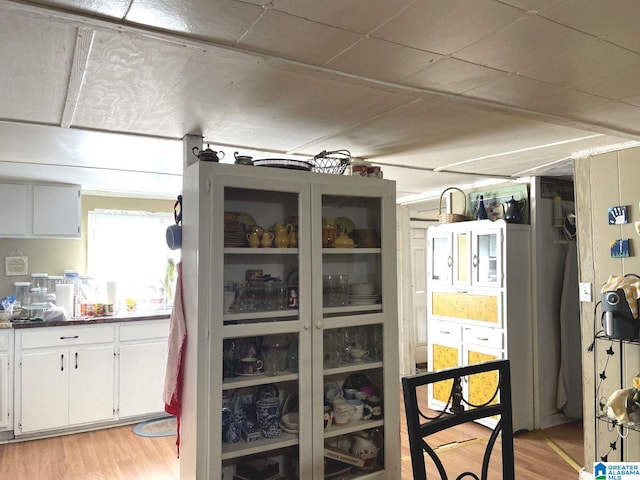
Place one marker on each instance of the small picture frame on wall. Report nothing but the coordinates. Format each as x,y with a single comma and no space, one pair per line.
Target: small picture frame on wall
16,266
618,215
620,248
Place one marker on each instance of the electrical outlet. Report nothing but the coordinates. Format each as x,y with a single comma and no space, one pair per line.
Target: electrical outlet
585,292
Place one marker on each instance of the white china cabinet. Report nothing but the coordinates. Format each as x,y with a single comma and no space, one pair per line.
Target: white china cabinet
479,309
263,325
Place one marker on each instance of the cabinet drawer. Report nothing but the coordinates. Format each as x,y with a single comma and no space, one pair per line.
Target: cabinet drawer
448,331
144,331
4,341
477,306
65,336
490,337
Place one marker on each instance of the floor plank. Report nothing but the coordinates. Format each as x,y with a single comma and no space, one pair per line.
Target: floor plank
119,454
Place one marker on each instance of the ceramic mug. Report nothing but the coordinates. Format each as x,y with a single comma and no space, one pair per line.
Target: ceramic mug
328,416
250,365
342,411
350,393
358,409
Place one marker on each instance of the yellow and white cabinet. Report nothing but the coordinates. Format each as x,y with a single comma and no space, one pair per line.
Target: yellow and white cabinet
479,309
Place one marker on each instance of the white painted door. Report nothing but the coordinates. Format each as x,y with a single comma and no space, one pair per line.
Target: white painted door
44,392
419,293
5,409
91,384
142,369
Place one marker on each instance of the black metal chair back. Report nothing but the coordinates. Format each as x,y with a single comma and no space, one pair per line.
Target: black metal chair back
458,411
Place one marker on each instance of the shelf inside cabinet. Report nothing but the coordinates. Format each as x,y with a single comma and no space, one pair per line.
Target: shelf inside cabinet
234,317
252,381
374,307
352,367
350,251
260,251
242,448
351,427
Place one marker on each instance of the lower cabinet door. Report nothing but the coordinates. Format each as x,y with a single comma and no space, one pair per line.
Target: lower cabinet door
5,409
44,394
442,354
142,369
482,387
91,384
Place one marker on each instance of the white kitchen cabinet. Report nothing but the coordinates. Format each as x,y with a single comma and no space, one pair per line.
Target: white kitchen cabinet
487,317
214,256
142,356
6,380
14,218
40,210
56,211
65,377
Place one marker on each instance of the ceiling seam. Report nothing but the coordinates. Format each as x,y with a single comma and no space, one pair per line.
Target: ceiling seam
171,37
84,42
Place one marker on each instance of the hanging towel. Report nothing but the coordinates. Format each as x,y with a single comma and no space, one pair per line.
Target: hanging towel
172,394
631,288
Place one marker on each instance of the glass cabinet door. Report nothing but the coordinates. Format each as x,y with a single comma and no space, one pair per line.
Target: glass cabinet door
352,335
440,268
265,290
487,258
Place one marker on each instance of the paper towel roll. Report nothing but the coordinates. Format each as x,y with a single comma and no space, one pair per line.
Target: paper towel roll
112,293
64,297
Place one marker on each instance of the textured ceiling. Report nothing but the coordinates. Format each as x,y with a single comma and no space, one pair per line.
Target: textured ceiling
438,92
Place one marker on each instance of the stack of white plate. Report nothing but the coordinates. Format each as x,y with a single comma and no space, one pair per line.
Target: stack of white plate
361,288
362,294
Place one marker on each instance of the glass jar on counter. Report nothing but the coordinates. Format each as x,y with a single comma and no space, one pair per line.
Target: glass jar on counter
22,294
71,276
52,281
39,280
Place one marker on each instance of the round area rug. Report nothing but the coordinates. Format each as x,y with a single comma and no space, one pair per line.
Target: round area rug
157,427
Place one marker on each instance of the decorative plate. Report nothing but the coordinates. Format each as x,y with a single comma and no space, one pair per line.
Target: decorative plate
284,163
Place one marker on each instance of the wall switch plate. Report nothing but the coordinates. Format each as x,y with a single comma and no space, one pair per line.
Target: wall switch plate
585,292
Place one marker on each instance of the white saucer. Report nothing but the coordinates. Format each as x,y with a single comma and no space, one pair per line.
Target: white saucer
249,374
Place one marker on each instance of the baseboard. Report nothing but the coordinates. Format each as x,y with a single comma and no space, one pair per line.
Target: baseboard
584,475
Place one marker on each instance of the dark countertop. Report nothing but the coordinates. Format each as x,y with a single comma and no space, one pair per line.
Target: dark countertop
127,317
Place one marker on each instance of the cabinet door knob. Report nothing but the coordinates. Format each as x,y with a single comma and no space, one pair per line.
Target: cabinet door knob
307,326
319,325
67,338
62,362
474,262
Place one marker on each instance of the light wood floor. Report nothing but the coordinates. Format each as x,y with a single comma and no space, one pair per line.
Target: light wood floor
119,454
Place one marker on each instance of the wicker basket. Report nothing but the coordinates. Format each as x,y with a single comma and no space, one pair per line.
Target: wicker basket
451,217
335,162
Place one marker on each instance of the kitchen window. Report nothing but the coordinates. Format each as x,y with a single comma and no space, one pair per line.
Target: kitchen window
129,247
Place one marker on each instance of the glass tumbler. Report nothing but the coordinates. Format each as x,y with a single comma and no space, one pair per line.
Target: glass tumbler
341,291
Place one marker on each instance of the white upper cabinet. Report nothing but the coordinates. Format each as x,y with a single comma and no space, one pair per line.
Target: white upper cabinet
56,210
40,211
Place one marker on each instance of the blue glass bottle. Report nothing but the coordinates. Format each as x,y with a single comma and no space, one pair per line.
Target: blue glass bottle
482,211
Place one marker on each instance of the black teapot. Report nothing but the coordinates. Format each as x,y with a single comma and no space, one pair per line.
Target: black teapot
514,209
207,155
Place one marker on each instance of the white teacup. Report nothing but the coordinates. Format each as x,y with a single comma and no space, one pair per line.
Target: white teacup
358,353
